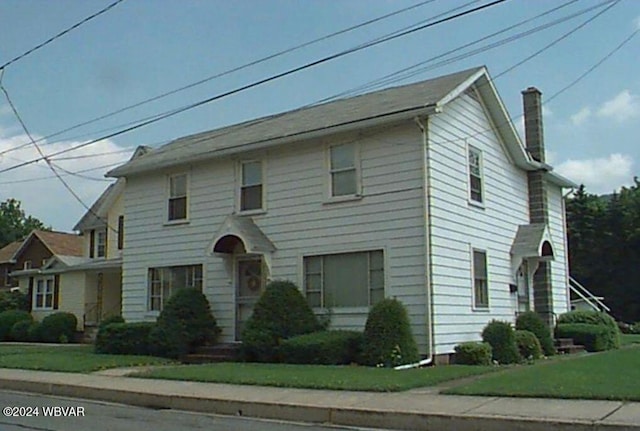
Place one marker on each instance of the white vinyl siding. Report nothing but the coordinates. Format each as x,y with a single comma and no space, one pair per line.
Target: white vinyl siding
559,275
455,224
300,222
344,280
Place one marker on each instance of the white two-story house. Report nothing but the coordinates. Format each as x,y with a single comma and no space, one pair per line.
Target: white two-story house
422,192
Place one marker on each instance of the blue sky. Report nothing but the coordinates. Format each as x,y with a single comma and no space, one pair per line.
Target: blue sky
142,48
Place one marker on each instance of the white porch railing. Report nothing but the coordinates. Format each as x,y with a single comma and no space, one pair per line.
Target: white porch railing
588,297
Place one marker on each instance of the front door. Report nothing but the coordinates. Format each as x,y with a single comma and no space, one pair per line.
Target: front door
249,286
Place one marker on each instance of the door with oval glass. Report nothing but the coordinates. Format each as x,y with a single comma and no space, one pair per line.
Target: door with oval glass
249,286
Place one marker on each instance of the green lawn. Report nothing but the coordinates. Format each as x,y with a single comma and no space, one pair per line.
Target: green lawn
71,358
612,375
629,339
317,376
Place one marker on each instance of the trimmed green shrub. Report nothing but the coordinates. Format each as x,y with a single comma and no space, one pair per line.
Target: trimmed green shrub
503,342
388,340
528,345
594,338
9,318
323,347
58,328
531,321
124,338
35,332
595,318
109,320
14,300
188,312
169,340
20,330
280,313
635,328
473,353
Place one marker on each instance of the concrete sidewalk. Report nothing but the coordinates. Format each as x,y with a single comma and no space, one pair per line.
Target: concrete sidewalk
411,410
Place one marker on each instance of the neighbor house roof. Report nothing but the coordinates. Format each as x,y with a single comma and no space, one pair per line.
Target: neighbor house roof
8,252
371,109
59,243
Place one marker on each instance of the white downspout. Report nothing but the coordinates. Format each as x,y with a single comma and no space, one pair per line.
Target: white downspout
426,175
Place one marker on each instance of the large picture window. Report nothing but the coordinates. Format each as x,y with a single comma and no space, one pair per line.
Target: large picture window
163,282
44,294
177,197
343,170
344,280
480,282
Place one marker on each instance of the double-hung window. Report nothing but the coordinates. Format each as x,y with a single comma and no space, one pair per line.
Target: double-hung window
177,197
101,243
44,293
476,184
164,281
480,282
344,280
251,186
343,170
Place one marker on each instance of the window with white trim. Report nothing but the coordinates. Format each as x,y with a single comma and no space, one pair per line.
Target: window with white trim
476,183
343,170
164,281
480,279
43,293
26,264
101,243
251,186
177,207
344,280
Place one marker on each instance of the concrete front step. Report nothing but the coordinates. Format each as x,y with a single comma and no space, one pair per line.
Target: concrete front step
566,346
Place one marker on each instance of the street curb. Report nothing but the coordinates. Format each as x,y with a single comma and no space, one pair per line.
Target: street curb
357,417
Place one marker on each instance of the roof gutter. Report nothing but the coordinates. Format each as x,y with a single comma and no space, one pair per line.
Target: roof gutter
377,120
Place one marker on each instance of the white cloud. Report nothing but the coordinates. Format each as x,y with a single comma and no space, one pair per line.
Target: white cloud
600,175
622,107
44,196
581,116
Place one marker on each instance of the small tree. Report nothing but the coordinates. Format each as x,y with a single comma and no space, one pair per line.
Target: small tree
388,340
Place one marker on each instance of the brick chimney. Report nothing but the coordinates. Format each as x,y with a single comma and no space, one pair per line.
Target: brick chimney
538,205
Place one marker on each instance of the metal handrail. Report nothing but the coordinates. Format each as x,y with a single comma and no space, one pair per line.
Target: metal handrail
586,295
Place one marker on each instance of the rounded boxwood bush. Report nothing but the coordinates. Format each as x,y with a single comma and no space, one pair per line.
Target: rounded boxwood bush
58,328
109,320
9,318
531,321
388,340
528,345
280,313
323,347
124,338
503,342
20,330
473,353
612,340
34,333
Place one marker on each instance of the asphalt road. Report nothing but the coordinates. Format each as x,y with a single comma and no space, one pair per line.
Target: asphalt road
67,414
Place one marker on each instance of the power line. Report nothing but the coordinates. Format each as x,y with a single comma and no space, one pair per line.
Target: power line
219,96
62,33
225,73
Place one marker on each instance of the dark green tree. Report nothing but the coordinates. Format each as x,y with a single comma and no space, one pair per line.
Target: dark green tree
14,223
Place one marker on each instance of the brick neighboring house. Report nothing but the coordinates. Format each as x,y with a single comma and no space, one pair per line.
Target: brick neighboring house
32,256
8,265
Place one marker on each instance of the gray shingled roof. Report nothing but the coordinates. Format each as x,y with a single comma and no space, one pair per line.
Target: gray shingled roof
299,123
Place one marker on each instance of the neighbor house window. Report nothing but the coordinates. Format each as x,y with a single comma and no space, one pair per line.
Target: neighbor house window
251,186
163,282
101,243
476,192
344,280
120,232
480,285
26,264
177,197
343,170
44,293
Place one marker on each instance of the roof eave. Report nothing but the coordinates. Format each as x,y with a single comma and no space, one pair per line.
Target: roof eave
128,169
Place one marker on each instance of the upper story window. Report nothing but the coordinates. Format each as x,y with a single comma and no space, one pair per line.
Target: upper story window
177,197
26,264
120,232
251,188
343,170
101,243
345,279
476,182
480,280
